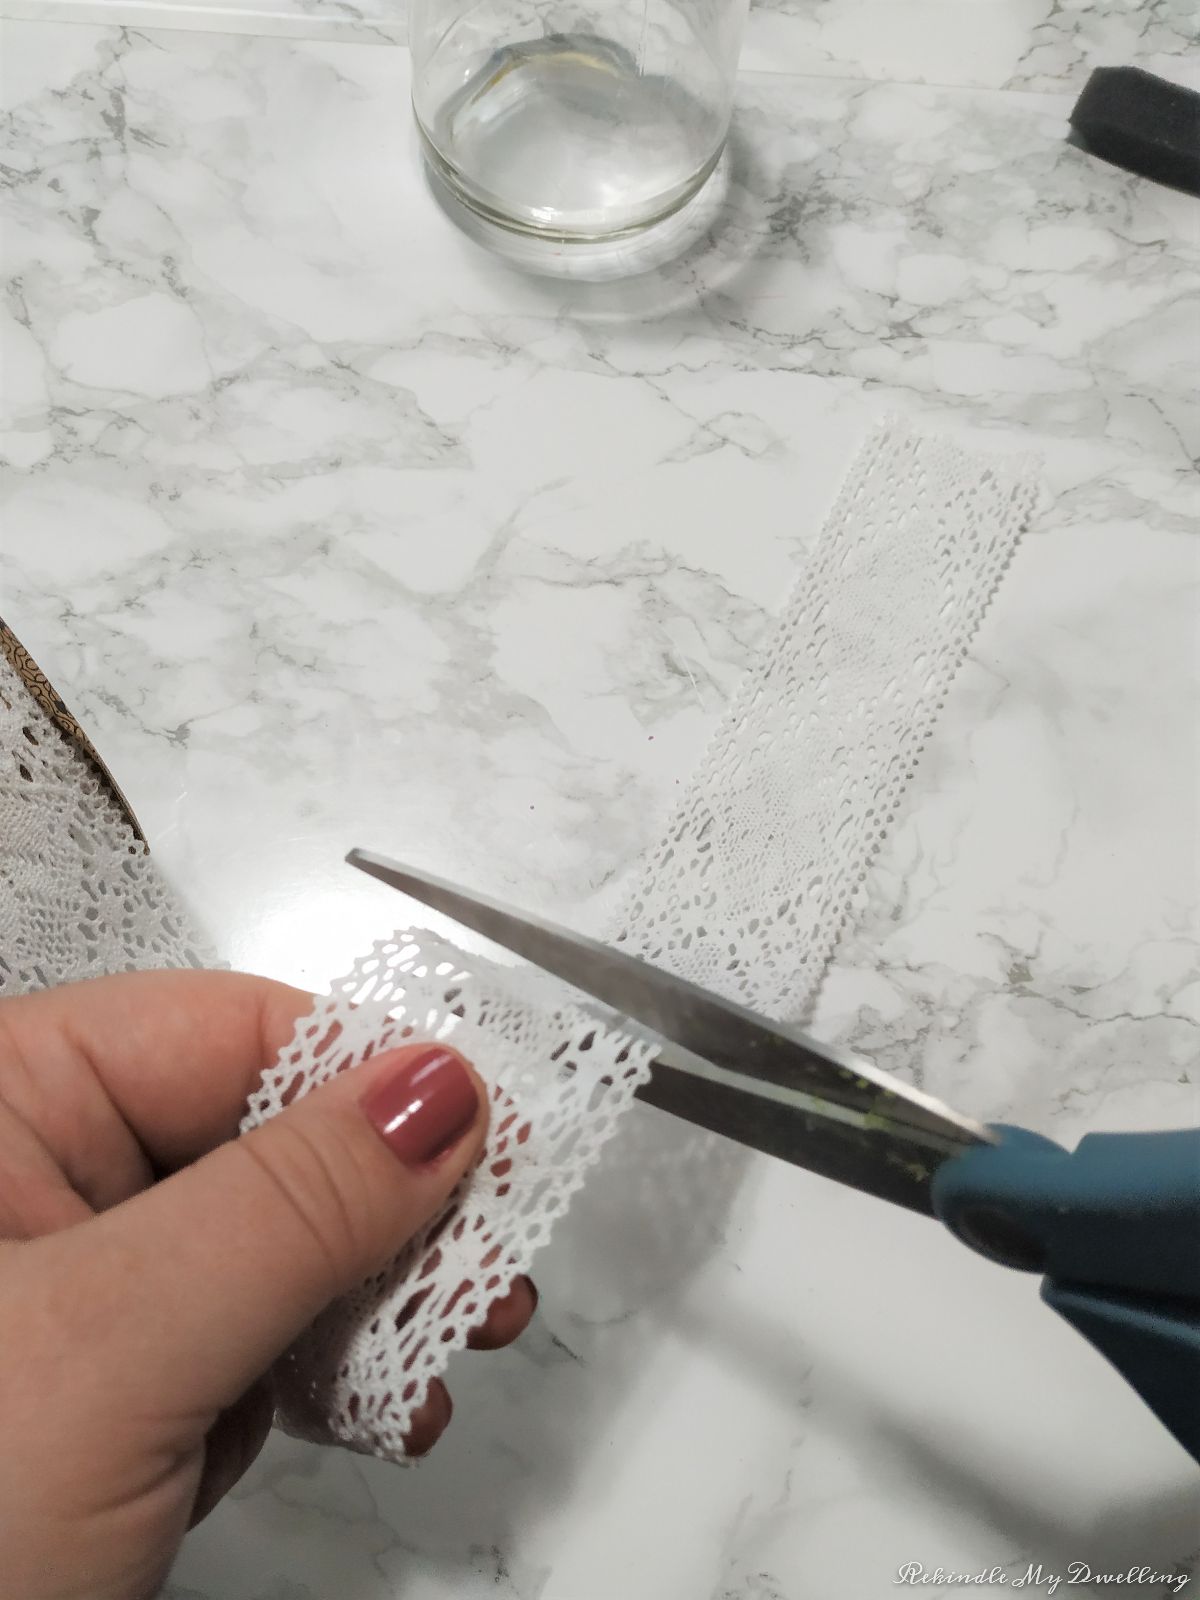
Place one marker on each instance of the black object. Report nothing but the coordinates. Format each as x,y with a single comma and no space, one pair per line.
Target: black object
1142,123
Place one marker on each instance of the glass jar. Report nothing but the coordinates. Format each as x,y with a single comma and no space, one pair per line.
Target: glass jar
574,119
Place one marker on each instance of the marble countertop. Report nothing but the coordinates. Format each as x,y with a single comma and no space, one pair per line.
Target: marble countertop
334,529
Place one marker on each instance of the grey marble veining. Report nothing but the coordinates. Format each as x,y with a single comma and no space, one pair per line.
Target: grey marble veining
336,530
992,44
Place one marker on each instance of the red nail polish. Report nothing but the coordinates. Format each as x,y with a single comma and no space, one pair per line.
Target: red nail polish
424,1107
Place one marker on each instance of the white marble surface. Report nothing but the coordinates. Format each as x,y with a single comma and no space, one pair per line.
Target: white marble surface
336,530
993,44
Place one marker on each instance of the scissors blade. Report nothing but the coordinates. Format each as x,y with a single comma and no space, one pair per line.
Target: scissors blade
723,1066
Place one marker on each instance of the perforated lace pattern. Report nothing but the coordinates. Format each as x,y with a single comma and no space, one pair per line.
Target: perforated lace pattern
558,1082
751,885
79,896
746,893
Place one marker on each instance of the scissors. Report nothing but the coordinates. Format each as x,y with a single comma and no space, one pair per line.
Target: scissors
1113,1227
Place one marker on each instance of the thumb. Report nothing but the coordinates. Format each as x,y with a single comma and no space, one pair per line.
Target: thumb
195,1286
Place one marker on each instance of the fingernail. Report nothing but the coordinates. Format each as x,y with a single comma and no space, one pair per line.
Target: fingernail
423,1108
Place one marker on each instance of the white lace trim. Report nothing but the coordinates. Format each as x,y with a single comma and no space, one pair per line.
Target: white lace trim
80,896
746,893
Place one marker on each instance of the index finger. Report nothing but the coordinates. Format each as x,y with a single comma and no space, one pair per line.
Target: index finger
175,1053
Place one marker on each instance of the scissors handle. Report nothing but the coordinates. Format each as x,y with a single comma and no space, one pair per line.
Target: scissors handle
1115,1228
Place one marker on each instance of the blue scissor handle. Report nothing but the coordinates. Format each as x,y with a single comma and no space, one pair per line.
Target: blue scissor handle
1115,1227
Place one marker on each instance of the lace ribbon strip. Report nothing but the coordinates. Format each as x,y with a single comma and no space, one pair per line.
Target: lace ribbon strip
747,893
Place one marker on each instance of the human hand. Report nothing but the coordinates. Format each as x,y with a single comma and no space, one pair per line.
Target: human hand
152,1266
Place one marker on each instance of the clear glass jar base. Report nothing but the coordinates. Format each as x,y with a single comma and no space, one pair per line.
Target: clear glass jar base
561,139
591,264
